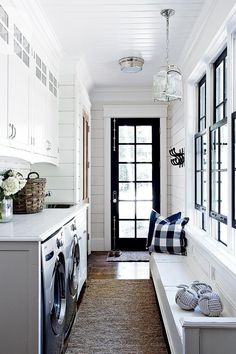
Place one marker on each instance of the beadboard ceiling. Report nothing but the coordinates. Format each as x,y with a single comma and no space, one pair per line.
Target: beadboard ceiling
103,31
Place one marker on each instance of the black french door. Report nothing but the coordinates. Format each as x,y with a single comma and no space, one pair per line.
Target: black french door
135,179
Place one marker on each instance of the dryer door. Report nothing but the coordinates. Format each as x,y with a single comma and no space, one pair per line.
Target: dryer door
59,298
73,276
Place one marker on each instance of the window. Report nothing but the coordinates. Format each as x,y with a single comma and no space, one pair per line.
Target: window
52,84
200,157
220,92
219,150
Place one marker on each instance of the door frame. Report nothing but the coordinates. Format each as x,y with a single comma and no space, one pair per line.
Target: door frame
132,111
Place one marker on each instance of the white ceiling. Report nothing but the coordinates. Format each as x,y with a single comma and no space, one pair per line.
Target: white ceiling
103,31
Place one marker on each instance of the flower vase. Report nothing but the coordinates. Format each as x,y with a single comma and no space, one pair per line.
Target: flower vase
6,209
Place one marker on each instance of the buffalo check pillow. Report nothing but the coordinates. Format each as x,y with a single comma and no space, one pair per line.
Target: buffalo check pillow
156,217
170,237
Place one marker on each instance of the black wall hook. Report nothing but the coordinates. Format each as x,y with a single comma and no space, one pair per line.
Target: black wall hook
178,159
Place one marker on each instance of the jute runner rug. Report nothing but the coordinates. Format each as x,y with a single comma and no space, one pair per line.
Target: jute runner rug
118,317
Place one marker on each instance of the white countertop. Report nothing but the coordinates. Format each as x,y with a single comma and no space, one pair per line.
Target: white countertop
36,227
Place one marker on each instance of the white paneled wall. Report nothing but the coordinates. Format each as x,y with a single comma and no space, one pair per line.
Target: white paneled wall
97,177
176,175
15,164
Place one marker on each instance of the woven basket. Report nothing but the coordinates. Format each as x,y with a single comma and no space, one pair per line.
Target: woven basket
30,199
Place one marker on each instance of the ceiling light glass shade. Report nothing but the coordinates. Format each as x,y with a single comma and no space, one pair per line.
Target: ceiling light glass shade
167,84
131,64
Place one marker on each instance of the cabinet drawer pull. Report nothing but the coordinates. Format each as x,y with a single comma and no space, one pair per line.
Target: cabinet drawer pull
11,131
14,131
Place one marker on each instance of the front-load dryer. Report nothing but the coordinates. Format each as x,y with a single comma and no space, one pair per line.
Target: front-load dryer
53,292
72,253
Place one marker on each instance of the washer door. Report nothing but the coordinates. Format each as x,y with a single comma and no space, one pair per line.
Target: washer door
73,276
59,298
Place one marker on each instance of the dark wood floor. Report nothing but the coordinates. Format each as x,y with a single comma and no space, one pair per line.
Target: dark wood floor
99,268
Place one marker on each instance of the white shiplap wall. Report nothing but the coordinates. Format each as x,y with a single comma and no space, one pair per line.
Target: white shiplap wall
15,164
176,175
97,177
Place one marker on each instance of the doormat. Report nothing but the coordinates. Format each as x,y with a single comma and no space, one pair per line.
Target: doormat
130,256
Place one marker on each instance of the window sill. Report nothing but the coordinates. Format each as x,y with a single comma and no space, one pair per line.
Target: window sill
215,250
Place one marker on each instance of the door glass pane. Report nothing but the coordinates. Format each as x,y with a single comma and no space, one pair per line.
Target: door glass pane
126,191
223,194
214,192
126,153
144,191
126,210
144,172
144,153
126,172
219,83
126,134
223,147
142,229
126,229
143,134
143,209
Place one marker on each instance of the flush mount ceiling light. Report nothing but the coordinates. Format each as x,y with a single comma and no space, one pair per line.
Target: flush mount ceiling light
131,64
167,83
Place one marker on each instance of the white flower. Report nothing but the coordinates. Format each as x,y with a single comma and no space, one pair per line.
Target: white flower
22,183
1,177
10,186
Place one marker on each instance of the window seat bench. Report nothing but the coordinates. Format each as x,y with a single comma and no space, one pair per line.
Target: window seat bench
189,332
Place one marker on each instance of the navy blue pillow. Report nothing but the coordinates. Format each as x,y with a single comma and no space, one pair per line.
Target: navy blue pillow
153,217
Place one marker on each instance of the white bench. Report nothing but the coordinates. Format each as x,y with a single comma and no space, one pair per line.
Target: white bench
189,332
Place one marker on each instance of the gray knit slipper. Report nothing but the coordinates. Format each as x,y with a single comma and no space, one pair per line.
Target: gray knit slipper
197,286
185,298
210,303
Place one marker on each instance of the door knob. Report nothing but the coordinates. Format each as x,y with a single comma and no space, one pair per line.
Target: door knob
114,196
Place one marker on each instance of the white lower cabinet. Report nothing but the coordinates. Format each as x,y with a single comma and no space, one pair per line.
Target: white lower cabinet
81,222
18,103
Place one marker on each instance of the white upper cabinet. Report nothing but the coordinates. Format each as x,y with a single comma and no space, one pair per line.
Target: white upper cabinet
4,44
28,89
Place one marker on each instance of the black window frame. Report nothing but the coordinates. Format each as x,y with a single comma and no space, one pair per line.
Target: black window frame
216,127
233,169
200,118
219,60
199,135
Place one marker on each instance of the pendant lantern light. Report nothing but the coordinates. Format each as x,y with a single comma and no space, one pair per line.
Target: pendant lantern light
167,83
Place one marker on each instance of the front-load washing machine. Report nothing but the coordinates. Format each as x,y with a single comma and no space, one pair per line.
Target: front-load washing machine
72,254
53,293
